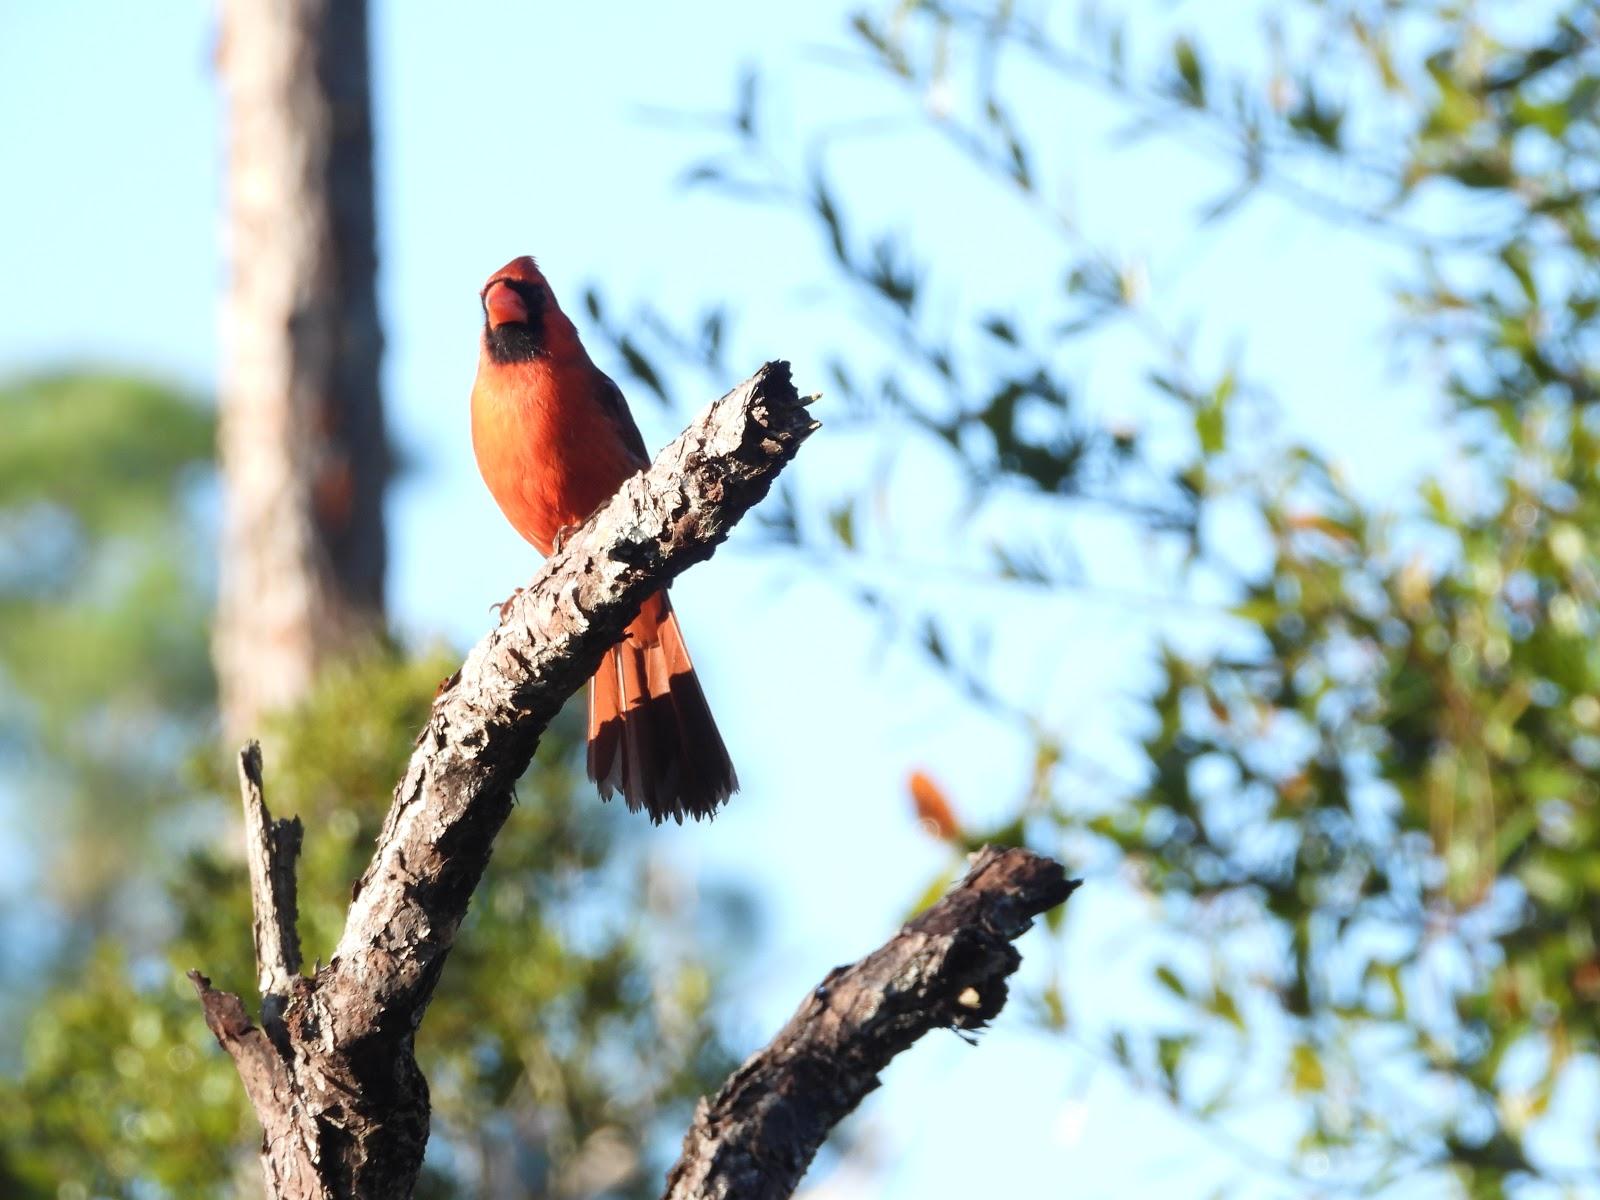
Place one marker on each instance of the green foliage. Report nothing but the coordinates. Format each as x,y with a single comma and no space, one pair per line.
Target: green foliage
94,474
108,449
103,589
1369,811
1398,782
121,1087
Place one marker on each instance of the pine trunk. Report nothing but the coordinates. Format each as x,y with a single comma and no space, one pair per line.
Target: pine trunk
302,446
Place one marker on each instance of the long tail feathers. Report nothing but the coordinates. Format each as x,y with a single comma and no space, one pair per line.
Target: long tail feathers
651,734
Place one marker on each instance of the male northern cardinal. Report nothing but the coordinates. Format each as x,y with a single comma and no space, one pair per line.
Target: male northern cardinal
554,440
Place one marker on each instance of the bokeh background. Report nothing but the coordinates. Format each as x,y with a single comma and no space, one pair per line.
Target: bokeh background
1207,496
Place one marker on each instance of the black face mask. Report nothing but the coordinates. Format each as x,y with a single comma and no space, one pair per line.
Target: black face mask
520,341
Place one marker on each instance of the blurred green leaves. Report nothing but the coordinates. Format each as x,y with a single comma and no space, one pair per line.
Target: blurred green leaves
108,449
99,553
104,589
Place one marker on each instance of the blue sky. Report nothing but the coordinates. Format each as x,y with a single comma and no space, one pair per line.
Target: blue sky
506,130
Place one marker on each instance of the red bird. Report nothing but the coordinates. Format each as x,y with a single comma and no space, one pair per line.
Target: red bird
554,440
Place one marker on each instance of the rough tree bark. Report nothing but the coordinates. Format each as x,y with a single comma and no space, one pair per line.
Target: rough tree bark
301,437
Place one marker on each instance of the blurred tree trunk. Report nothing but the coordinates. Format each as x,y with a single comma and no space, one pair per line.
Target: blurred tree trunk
302,446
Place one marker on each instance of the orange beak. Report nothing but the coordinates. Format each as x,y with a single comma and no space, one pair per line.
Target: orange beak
503,305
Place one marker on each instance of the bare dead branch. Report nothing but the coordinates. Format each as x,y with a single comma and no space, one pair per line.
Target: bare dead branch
341,1100
271,848
946,969
289,1154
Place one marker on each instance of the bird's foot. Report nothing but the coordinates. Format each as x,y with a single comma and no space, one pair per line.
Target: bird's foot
561,537
504,606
